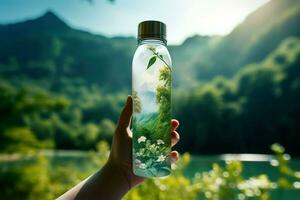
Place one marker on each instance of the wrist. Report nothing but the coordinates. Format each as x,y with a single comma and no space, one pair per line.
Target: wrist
118,176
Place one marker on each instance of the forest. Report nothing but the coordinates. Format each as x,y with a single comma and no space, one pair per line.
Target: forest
63,89
82,79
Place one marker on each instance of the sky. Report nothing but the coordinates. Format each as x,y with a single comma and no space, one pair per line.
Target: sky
184,18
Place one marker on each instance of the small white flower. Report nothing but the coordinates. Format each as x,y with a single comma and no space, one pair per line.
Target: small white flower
160,141
142,139
152,147
142,166
161,158
137,161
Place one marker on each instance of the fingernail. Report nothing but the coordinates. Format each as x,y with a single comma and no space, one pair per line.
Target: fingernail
174,157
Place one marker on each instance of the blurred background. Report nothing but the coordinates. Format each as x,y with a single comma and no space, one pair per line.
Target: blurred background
65,73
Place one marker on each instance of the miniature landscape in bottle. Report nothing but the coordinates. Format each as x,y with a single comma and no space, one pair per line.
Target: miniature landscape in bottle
151,125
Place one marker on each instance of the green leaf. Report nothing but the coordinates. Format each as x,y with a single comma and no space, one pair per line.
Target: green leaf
151,61
277,148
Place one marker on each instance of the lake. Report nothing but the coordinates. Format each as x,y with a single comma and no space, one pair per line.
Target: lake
253,164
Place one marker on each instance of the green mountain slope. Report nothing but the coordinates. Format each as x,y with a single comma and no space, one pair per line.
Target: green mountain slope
46,48
259,106
47,51
251,41
185,55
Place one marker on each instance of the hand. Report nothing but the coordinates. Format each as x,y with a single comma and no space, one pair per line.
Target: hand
121,153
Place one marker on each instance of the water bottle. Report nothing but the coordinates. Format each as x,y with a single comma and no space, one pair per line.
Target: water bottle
151,93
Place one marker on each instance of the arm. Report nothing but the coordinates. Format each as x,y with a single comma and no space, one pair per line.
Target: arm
109,182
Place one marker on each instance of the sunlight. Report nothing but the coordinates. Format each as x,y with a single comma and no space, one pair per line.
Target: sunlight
247,157
218,17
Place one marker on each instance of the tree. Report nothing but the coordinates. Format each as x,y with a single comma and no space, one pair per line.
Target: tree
163,99
137,104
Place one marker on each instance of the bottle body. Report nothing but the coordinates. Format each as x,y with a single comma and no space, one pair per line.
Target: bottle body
151,121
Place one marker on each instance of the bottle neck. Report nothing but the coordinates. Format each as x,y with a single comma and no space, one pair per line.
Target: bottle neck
155,41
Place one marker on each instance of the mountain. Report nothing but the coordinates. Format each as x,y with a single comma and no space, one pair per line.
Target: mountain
49,23
185,55
251,41
47,48
47,51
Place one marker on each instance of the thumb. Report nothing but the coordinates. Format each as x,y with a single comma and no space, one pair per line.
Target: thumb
124,120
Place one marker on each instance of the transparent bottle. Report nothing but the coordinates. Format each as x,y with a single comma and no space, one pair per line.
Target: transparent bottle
151,92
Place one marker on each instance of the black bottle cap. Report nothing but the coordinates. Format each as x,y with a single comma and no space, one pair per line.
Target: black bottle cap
152,30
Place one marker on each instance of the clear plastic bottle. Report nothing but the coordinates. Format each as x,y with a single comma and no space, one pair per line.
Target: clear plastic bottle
151,92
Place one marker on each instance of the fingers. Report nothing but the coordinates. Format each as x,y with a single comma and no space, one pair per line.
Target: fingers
175,137
174,124
174,155
174,134
124,120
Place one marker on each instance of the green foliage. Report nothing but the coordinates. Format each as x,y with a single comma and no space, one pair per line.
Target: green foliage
137,104
288,177
151,159
146,124
18,106
222,115
35,177
107,129
18,140
156,55
219,183
32,181
47,120
174,187
163,99
260,101
228,183
151,61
